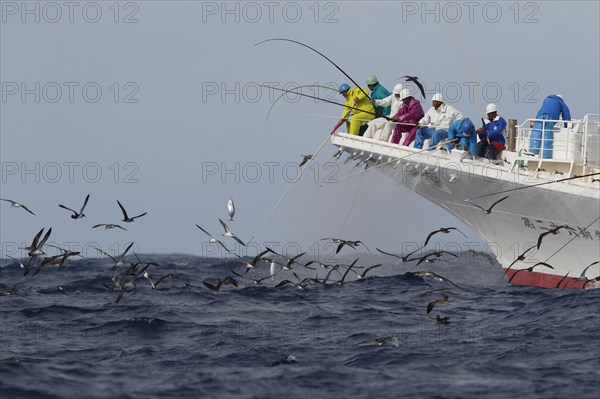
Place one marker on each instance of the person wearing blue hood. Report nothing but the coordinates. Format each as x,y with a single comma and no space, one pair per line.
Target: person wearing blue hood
462,134
552,108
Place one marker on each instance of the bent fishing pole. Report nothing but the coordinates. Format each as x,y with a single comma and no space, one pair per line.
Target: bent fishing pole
321,54
339,104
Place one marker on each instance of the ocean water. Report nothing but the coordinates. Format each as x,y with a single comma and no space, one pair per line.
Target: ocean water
63,336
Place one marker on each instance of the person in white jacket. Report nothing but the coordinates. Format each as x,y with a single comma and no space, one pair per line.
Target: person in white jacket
434,125
381,128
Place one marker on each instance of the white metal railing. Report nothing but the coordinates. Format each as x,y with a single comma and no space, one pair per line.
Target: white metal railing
579,142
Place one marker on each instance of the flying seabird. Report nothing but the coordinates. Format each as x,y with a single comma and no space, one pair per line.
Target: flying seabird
561,280
290,261
230,209
119,259
213,240
126,218
154,284
437,254
341,282
305,159
489,210
255,260
442,320
415,80
15,204
229,233
77,215
530,269
553,231
445,230
582,276
56,259
302,284
256,280
350,243
108,226
402,258
364,273
521,257
431,305
35,248
227,280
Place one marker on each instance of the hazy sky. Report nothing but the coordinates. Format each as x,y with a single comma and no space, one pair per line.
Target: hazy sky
158,104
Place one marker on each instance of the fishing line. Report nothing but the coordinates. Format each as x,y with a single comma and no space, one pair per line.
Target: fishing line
534,185
289,187
568,242
468,68
352,206
296,88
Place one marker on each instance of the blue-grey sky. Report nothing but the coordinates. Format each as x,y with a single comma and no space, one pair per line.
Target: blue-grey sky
158,104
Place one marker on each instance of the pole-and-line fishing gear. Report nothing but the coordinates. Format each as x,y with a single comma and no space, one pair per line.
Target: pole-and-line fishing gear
322,55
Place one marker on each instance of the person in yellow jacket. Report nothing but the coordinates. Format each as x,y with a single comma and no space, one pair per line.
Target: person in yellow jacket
362,110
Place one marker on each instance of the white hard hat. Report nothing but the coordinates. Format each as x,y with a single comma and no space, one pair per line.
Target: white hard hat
404,94
491,108
438,97
397,88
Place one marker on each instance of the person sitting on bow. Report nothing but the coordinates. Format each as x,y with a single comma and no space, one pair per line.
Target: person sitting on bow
378,92
407,117
491,136
382,128
434,125
462,135
358,109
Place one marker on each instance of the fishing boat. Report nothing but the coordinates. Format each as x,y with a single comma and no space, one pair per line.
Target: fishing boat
546,232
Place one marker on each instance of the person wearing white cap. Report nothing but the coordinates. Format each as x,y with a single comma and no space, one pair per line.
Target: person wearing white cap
381,128
434,125
491,135
407,117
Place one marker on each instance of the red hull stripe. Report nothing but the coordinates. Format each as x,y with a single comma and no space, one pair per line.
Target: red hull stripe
543,280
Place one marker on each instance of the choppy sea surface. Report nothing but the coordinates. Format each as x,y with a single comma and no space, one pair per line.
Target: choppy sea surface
64,336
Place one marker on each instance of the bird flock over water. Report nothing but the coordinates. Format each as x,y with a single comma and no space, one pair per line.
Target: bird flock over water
286,268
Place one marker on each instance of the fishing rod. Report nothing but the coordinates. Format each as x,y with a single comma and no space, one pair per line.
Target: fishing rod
391,120
342,105
534,185
295,88
325,100
322,55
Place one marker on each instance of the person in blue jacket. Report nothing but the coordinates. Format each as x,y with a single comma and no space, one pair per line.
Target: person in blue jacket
491,136
462,134
552,108
378,92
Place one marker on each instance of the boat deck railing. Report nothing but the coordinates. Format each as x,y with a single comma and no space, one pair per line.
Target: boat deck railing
578,143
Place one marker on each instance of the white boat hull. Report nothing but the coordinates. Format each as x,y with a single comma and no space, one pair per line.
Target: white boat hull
514,224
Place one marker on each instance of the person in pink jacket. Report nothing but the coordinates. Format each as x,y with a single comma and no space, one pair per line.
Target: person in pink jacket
408,115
